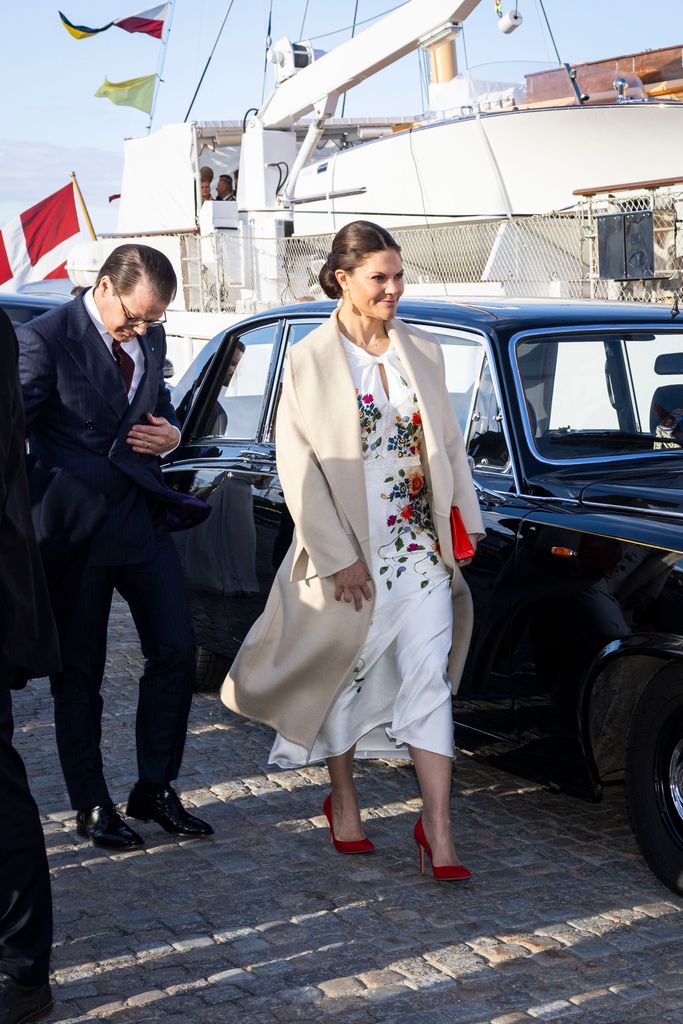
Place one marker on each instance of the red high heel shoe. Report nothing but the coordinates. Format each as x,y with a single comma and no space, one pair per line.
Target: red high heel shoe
341,845
449,872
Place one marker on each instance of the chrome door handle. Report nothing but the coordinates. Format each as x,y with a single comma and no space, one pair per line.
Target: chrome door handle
256,456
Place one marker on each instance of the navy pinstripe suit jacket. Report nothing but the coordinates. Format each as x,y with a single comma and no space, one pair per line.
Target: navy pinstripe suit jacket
78,418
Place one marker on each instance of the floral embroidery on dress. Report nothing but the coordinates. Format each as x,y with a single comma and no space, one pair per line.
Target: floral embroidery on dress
358,677
410,528
391,442
407,439
369,418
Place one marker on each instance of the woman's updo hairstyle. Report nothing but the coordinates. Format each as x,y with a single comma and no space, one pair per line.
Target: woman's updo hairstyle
351,245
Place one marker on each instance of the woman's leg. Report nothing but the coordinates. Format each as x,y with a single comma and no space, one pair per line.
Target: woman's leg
345,812
434,776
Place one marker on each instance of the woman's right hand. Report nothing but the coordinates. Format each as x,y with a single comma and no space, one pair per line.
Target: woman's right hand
352,584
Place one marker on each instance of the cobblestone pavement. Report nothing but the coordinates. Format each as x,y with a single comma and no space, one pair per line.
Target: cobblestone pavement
265,924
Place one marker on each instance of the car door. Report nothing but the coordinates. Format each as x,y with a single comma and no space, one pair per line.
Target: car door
483,700
223,459
227,457
503,692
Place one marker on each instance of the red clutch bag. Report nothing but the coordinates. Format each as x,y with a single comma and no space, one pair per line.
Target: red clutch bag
462,546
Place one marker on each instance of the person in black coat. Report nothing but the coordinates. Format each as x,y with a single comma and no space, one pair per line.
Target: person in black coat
98,413
28,647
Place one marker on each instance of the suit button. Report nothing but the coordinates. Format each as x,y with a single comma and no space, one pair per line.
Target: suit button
90,425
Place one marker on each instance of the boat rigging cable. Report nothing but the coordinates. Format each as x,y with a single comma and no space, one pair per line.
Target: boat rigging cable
265,56
303,21
365,21
160,63
206,66
550,32
353,32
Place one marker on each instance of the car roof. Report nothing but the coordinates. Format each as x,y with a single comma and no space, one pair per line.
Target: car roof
32,301
498,313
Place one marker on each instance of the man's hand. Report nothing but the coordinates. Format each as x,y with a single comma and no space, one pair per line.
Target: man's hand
352,584
161,436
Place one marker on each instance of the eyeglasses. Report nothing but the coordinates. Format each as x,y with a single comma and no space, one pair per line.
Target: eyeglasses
138,321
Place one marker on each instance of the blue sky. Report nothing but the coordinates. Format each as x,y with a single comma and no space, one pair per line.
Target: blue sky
52,123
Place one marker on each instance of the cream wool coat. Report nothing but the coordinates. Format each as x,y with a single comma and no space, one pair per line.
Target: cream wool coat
305,645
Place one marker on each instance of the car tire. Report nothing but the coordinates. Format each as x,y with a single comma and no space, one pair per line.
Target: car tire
654,776
210,670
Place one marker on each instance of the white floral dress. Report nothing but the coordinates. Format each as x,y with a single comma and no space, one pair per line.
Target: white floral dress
399,693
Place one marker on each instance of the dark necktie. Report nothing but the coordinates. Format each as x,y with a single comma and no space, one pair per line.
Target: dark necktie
125,363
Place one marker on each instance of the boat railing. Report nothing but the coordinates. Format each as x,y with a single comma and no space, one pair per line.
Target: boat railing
567,254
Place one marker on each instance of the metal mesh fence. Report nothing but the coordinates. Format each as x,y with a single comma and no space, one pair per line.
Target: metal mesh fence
230,271
542,256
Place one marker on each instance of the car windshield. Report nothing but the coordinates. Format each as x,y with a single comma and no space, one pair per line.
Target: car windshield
595,395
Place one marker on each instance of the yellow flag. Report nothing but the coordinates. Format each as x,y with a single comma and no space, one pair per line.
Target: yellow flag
136,92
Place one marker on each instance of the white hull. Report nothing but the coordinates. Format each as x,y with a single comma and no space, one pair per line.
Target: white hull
513,162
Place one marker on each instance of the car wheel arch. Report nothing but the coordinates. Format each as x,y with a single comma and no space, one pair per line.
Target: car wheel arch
654,775
608,697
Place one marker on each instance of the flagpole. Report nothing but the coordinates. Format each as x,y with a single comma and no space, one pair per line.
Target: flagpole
72,175
160,65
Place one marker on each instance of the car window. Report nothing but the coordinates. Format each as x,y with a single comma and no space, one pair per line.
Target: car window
595,395
191,380
487,444
462,357
23,314
235,408
296,331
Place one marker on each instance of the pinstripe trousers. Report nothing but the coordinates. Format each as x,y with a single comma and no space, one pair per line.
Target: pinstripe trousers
155,593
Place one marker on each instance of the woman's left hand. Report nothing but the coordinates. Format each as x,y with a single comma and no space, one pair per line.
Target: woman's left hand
474,538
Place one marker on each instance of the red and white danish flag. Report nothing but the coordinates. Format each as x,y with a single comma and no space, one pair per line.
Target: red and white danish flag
34,245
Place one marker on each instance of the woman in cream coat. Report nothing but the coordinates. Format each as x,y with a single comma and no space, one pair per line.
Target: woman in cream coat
367,625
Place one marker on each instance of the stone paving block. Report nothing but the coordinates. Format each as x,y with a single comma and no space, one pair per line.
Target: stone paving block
345,1011
196,942
511,1018
634,990
551,1011
458,961
501,952
337,988
592,998
380,979
669,982
662,908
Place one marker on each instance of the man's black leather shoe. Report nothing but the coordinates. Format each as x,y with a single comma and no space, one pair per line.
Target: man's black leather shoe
22,1003
105,827
163,806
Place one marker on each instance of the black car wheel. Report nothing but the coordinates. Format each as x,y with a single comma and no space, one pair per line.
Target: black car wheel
210,670
654,777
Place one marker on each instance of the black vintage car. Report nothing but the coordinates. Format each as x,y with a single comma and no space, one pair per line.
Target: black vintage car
573,419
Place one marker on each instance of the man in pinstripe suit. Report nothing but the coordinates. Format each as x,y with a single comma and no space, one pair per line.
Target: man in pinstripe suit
98,409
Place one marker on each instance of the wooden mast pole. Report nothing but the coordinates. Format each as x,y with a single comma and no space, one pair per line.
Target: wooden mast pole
72,175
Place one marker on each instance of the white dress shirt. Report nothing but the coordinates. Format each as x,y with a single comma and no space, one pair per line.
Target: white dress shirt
132,347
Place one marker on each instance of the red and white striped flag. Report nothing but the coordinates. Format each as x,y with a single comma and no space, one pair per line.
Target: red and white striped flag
34,245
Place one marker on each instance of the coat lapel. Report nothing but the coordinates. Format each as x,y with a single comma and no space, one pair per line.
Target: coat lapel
330,408
88,350
423,370
419,357
141,399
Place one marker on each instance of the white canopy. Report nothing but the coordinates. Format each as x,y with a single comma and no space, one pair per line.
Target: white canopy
159,185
